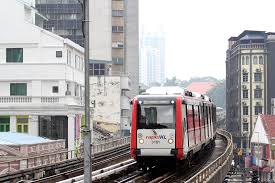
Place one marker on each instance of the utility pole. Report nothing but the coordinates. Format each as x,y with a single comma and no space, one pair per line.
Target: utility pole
87,130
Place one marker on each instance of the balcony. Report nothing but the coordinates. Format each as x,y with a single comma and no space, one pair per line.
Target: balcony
11,101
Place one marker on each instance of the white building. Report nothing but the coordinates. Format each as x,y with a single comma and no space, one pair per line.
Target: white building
41,78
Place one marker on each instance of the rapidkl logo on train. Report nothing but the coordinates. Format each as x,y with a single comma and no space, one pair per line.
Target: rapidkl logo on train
156,137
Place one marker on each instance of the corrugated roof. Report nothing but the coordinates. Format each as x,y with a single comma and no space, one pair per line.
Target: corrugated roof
200,87
269,124
11,138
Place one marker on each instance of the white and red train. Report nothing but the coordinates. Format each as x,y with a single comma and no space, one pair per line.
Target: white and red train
170,123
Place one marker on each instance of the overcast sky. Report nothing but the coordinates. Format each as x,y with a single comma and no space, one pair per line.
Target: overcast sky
198,30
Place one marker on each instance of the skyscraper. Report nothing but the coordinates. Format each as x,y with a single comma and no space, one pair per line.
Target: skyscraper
152,65
249,65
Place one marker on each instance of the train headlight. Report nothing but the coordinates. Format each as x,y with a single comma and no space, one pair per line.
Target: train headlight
172,101
141,141
170,141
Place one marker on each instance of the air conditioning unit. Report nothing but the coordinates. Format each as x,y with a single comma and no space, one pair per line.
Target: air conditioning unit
258,87
244,70
244,119
258,103
244,103
258,70
244,87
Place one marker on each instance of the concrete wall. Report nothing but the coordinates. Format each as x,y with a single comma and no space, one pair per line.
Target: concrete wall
106,92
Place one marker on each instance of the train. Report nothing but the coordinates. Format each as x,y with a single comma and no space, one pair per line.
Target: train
170,123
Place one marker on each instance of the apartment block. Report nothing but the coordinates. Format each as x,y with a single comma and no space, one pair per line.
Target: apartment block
248,87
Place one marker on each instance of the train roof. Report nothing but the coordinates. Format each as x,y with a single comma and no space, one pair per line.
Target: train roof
173,91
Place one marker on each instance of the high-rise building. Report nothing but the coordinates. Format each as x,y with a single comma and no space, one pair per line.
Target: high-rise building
152,65
64,18
249,64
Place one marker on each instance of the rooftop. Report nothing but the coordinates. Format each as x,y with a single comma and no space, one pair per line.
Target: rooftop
269,124
12,138
201,87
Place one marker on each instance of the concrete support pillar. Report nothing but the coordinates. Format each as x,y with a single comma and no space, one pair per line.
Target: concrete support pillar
71,130
12,123
33,125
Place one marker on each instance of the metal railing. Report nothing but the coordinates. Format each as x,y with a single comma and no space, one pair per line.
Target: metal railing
58,157
221,165
30,100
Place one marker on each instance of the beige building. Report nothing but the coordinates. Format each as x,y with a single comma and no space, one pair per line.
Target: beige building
245,84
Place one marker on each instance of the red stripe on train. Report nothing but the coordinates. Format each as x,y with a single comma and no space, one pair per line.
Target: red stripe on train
134,129
179,135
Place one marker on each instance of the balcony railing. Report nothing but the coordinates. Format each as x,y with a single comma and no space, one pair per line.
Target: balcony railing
29,100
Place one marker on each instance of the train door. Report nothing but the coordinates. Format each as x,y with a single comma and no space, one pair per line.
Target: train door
197,124
210,121
201,123
185,127
206,121
190,125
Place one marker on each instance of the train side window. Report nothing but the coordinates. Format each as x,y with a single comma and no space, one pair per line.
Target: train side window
190,117
199,116
207,120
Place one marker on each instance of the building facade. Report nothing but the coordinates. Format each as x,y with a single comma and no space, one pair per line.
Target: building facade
41,79
152,65
248,88
114,41
112,106
64,18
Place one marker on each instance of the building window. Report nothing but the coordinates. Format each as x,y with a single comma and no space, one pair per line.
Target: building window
258,110
247,60
4,123
261,60
245,93
258,93
243,60
245,110
22,124
117,13
245,77
58,54
14,54
69,57
245,127
117,28
255,60
55,89
117,61
97,69
257,76
18,89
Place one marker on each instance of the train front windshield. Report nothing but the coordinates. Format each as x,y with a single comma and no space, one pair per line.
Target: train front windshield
156,116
